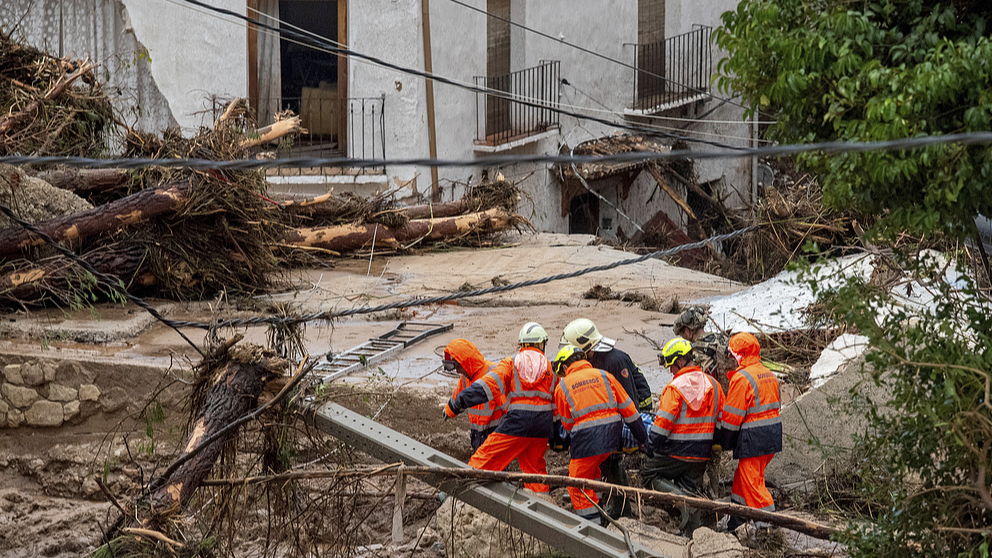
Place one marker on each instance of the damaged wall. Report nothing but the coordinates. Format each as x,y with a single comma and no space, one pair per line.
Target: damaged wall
158,75
102,31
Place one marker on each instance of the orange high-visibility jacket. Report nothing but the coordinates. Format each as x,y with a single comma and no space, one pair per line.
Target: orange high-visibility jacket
529,411
686,423
484,416
750,420
593,407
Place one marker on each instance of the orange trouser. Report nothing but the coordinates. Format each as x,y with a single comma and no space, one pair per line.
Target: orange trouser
499,450
749,484
585,468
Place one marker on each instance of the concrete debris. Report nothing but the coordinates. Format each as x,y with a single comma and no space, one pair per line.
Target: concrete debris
665,544
841,351
33,199
826,417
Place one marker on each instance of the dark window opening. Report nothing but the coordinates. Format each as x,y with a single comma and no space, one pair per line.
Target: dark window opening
583,214
310,77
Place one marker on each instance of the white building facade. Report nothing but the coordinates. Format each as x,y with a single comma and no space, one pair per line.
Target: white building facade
175,64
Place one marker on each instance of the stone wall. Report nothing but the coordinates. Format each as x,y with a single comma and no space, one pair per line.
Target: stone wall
51,393
48,393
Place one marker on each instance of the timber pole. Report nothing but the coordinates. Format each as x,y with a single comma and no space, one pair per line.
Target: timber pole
425,6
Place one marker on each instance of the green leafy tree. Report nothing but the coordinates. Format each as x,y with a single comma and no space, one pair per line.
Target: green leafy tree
868,70
931,445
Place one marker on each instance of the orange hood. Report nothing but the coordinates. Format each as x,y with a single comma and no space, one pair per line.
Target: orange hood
465,353
745,349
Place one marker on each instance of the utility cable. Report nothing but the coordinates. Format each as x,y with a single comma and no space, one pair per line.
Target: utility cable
592,52
447,81
110,282
643,128
113,283
832,148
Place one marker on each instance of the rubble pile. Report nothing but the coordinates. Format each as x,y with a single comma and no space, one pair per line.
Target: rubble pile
183,234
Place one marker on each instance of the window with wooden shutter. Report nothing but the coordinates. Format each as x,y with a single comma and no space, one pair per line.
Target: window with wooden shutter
498,65
650,50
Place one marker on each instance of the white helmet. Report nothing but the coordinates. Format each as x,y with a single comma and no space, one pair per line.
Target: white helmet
583,334
532,333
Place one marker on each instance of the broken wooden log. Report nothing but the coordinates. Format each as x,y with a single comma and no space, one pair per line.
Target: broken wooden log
273,132
235,383
136,208
348,238
58,277
434,210
815,530
84,181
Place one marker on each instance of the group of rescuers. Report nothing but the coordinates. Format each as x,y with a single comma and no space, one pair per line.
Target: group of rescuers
595,402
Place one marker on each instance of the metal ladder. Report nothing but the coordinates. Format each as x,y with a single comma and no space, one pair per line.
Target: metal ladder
389,344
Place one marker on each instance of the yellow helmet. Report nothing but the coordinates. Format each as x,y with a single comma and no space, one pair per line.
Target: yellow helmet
675,349
565,357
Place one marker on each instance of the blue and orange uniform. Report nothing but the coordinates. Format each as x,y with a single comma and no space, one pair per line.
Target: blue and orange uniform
525,383
751,424
593,407
485,417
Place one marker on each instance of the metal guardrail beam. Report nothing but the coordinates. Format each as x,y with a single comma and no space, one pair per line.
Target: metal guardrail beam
518,508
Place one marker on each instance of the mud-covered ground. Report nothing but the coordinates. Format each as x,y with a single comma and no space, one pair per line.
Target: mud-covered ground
51,504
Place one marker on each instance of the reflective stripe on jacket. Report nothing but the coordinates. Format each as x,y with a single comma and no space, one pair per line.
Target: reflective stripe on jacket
687,429
485,416
593,407
750,421
528,406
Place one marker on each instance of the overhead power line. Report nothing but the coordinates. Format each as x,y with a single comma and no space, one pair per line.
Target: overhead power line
309,41
834,147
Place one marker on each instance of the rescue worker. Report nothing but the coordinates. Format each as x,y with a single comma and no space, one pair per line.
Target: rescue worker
602,354
751,425
710,353
682,438
709,349
593,408
525,384
463,356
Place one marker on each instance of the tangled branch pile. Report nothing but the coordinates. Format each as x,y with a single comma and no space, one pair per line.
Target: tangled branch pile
52,106
181,233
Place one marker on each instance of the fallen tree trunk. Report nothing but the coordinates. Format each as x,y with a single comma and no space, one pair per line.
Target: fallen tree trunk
84,181
329,207
136,208
650,496
236,382
58,277
348,238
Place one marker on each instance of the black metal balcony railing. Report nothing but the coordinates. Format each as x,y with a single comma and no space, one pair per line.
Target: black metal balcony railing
366,126
681,66
500,119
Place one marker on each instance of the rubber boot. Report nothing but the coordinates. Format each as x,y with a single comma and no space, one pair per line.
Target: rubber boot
691,519
616,505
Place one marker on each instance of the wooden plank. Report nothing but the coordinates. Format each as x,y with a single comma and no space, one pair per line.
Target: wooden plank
429,68
253,55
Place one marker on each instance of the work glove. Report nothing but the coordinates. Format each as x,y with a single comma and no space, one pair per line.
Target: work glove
451,410
560,440
717,449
